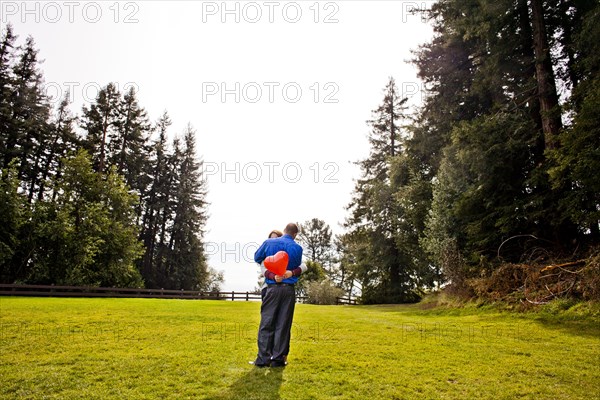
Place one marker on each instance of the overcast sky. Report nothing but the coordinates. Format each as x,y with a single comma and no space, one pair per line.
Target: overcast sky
277,91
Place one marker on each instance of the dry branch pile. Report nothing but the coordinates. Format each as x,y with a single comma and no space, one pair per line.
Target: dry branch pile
540,283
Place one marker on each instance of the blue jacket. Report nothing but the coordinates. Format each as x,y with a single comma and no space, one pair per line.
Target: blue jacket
285,243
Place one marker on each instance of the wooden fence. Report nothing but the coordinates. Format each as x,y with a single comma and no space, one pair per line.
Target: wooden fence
346,301
88,291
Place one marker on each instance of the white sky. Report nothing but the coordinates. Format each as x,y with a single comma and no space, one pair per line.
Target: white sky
276,154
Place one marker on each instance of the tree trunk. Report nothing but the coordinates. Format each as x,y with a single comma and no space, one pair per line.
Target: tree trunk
528,56
392,133
103,144
548,98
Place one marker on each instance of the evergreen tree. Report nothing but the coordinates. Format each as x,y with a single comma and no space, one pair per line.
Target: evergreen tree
315,237
157,202
117,134
29,121
484,133
62,141
384,136
578,152
375,216
185,265
128,144
7,135
100,122
14,212
344,261
86,218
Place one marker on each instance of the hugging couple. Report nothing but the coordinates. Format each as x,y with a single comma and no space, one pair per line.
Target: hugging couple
278,298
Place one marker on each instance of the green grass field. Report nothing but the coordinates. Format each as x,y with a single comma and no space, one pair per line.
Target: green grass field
155,349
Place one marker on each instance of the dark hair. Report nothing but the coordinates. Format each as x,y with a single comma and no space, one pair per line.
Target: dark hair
275,231
291,229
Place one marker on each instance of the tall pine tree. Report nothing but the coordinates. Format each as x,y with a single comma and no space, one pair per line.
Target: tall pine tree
186,263
101,121
387,271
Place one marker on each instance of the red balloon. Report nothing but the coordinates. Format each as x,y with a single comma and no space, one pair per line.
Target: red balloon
277,263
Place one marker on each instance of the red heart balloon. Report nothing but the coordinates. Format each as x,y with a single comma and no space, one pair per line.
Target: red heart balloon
277,263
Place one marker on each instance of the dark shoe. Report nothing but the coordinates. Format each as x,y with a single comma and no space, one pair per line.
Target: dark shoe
257,365
278,364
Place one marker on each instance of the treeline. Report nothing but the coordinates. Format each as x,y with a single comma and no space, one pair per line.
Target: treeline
498,165
102,199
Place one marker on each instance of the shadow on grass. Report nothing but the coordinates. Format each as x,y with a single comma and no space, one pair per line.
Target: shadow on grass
495,319
256,384
587,329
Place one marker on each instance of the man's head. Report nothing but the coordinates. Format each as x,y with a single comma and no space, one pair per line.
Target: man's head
291,229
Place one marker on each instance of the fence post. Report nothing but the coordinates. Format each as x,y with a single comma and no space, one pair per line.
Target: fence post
232,295
247,298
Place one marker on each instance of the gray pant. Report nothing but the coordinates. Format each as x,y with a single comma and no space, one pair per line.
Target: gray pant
276,315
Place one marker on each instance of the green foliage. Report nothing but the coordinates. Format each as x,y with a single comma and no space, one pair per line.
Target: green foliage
579,154
314,273
101,122
480,138
412,193
213,280
478,196
315,237
185,264
15,214
68,220
88,235
579,151
380,252
343,270
24,111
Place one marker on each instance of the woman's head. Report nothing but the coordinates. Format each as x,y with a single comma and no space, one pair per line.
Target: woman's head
275,234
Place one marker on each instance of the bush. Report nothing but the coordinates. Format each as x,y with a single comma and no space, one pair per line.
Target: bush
323,292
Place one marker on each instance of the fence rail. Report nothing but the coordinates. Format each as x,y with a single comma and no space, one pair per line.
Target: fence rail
346,301
89,291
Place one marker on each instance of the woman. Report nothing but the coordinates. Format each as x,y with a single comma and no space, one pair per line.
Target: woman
274,234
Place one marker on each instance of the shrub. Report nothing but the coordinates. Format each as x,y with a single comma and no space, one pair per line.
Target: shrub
323,292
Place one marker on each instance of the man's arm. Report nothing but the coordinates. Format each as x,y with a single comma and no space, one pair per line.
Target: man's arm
260,254
299,269
295,272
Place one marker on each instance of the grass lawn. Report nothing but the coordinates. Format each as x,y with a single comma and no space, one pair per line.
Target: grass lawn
154,349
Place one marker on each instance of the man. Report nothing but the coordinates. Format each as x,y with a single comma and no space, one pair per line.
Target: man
265,273
277,309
